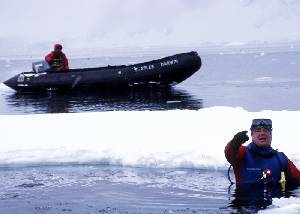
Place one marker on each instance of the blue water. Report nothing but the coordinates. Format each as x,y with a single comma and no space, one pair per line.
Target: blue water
254,81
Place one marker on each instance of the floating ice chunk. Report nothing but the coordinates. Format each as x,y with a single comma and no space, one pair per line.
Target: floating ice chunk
173,101
235,44
178,138
284,205
263,79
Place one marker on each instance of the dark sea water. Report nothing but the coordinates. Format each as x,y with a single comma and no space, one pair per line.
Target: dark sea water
108,189
112,189
254,81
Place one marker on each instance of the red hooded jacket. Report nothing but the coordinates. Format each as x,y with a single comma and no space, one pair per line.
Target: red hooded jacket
57,60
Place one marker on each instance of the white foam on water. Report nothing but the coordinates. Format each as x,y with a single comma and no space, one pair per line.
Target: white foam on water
4,88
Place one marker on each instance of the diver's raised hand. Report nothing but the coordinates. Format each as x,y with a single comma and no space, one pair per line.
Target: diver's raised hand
239,139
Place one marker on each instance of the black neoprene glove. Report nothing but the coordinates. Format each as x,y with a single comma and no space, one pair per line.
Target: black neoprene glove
239,139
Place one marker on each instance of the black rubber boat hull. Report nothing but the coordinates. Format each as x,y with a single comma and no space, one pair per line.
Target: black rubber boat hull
164,72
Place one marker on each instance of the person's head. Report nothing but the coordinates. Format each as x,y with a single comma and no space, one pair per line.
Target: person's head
57,47
261,132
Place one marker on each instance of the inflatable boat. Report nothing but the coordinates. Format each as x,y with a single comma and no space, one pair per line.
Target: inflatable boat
164,72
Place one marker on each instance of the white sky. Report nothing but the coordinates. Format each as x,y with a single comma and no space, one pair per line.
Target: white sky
127,23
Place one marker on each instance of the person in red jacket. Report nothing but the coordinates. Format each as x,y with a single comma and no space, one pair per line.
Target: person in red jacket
57,59
258,162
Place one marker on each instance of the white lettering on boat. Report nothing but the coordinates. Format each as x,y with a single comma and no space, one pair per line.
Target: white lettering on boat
169,62
143,68
22,85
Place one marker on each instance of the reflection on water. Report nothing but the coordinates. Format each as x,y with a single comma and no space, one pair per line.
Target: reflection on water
134,99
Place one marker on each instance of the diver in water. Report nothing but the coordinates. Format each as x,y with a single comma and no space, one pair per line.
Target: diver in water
258,162
261,172
57,59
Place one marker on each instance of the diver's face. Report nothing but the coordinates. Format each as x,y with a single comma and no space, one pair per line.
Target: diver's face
261,136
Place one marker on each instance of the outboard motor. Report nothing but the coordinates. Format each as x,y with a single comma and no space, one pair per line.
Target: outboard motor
40,66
